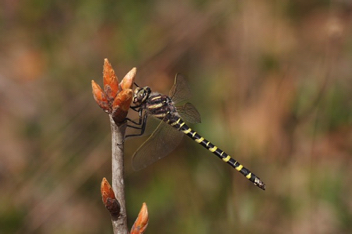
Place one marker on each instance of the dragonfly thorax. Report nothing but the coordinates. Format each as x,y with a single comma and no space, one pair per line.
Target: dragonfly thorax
160,106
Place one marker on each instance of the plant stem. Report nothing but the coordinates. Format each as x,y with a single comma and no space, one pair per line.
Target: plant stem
119,223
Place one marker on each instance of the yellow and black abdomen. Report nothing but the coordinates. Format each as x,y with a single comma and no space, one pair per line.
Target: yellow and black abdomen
181,126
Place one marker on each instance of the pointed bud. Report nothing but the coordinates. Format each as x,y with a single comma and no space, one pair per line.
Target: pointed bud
106,190
141,222
116,98
121,105
123,100
127,81
100,97
111,83
108,197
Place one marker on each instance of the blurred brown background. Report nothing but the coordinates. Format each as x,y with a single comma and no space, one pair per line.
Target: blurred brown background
272,80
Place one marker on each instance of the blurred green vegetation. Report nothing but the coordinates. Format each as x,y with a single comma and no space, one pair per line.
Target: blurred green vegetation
272,80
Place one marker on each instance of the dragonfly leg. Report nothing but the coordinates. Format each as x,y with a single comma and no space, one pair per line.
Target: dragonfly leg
134,122
142,123
139,123
135,108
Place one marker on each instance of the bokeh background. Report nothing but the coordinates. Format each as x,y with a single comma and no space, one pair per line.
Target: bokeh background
272,80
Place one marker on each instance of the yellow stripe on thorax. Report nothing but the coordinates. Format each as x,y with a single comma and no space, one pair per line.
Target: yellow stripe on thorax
155,98
161,115
155,106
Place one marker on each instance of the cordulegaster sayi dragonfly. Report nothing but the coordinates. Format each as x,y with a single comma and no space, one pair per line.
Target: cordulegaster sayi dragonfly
165,138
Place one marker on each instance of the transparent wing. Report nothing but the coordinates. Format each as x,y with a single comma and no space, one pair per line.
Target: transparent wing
189,113
180,90
162,141
151,125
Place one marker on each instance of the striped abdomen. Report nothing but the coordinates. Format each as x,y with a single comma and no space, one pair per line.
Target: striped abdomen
181,125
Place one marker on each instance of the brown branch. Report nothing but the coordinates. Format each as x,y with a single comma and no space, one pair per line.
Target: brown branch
119,223
115,99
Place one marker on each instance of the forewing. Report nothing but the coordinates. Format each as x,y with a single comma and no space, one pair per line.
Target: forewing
189,113
162,141
180,90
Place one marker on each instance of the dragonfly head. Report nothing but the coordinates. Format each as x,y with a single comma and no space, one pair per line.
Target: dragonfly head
140,95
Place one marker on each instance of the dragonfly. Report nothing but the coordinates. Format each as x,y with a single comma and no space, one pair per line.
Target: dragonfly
172,127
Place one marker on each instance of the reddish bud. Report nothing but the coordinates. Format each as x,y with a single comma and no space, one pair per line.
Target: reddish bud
141,222
128,80
100,97
123,100
108,197
121,105
111,82
106,190
116,98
